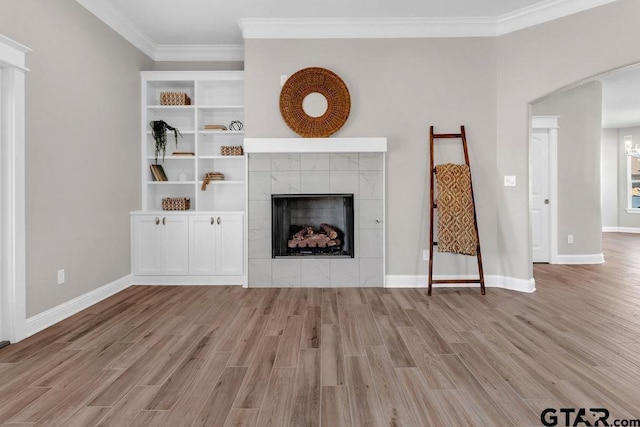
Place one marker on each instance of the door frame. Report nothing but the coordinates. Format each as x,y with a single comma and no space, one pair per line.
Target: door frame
12,190
550,124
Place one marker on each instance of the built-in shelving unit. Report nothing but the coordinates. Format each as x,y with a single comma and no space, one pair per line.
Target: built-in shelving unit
217,98
204,244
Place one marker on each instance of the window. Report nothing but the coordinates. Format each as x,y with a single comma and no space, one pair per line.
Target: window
634,182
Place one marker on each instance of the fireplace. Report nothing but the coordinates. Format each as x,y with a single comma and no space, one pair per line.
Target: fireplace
311,167
318,225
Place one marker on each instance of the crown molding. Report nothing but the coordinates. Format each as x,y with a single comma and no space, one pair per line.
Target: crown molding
326,28
199,52
355,28
314,28
121,25
543,12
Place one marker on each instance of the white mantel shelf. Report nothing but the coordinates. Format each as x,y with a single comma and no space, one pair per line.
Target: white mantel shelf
316,145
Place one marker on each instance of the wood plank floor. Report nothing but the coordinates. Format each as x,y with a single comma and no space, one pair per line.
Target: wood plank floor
227,356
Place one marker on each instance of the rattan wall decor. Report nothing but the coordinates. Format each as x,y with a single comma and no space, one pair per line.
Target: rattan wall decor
308,81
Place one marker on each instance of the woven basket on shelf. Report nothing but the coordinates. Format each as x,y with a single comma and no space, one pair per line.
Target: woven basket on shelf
176,203
231,150
174,98
324,82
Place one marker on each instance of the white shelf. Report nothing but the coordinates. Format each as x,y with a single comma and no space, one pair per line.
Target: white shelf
170,107
221,107
171,182
172,158
217,98
220,157
223,182
183,132
222,132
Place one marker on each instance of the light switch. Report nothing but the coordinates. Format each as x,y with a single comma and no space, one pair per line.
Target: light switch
509,181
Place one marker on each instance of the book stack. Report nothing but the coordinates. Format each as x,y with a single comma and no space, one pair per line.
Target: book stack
215,127
211,176
158,173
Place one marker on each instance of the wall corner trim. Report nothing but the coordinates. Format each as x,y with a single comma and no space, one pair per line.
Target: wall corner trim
491,281
56,314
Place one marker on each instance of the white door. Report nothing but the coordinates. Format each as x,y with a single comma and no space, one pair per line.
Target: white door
540,240
229,244
202,245
146,245
175,245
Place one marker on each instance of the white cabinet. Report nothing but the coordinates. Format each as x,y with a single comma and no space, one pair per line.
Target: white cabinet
202,247
216,244
204,244
160,245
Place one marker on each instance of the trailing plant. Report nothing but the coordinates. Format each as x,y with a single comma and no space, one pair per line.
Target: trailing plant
159,130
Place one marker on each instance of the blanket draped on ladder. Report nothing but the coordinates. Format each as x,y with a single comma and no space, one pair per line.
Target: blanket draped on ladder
456,231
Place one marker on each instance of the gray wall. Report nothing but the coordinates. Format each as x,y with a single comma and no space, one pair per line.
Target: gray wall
82,147
579,149
531,64
83,117
398,88
199,66
609,177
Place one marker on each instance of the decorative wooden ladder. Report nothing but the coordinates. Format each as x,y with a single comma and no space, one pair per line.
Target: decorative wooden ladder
432,137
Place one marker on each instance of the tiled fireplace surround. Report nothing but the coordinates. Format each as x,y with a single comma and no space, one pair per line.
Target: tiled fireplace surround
317,165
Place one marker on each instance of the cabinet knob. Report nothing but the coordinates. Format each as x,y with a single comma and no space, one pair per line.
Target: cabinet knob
212,220
218,220
157,220
164,220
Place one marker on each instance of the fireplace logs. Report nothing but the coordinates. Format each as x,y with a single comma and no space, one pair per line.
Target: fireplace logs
312,225
307,237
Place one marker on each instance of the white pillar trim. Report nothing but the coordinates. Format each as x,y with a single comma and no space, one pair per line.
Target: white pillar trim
12,189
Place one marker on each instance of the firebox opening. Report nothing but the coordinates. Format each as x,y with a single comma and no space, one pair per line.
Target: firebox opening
312,225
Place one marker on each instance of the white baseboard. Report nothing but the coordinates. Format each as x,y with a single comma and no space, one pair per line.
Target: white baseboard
490,281
580,259
612,229
56,314
189,280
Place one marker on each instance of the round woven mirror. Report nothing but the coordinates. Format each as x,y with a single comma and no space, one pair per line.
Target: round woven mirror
300,115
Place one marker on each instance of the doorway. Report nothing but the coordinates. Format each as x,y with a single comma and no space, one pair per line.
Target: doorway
543,158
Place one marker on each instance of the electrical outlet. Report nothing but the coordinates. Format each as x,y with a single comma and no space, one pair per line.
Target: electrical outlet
509,181
570,239
425,255
60,276
283,79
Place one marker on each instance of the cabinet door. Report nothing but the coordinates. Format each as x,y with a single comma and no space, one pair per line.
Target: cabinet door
175,245
229,244
147,241
202,247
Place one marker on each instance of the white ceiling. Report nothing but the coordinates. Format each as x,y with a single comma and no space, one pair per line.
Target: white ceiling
215,22
162,28
210,30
